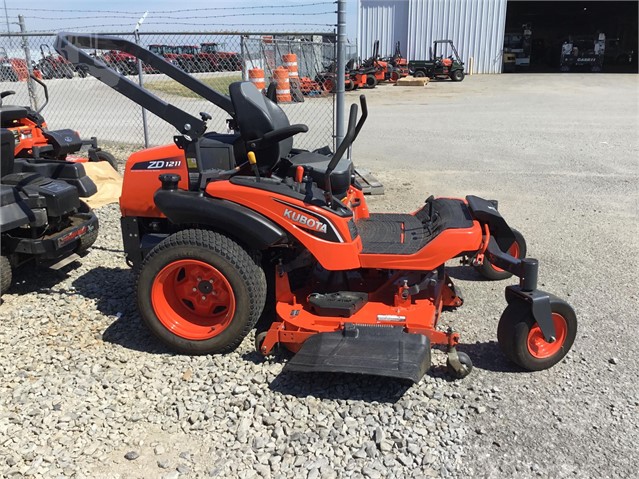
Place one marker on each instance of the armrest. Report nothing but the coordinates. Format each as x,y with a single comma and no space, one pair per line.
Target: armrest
7,93
283,133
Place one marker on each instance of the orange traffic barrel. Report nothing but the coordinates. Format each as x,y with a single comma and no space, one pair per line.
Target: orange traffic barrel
290,62
283,87
256,76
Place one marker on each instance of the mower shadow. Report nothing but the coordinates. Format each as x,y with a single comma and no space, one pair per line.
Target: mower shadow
465,273
488,356
114,292
340,386
29,278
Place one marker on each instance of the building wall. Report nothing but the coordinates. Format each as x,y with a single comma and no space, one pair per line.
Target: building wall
475,26
383,20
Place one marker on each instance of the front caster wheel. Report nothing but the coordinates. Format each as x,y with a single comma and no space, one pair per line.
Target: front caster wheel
521,338
200,292
458,364
259,340
492,272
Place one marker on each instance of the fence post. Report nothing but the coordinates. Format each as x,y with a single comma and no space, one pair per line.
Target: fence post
145,126
340,71
33,99
243,58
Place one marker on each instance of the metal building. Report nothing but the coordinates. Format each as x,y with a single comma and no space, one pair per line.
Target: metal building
547,36
475,26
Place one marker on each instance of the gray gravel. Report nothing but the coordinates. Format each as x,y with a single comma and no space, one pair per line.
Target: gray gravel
85,390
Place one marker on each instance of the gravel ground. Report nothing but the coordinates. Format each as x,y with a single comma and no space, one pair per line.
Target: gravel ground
85,390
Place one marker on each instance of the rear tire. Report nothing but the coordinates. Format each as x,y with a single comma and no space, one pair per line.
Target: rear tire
419,74
212,319
518,250
109,158
522,342
6,274
457,75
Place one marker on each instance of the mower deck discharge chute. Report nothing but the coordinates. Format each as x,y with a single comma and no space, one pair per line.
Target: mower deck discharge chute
225,228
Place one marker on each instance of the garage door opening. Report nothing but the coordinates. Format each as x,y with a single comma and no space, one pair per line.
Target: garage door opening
575,36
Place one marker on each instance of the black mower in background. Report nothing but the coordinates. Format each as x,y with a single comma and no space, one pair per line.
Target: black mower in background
439,67
41,219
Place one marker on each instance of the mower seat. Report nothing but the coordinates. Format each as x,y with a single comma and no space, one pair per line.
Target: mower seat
10,113
72,173
256,115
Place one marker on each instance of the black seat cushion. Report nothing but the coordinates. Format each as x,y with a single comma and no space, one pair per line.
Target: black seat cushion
256,115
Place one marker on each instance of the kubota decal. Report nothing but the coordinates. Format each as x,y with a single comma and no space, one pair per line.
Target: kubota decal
312,222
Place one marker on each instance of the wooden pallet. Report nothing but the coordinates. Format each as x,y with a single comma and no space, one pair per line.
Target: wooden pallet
370,185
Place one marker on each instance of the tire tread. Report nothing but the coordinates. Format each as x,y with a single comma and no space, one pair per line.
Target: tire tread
246,263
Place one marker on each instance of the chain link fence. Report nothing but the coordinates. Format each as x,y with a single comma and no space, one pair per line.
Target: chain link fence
81,102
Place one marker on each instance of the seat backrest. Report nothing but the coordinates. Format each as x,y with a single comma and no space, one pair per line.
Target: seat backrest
256,115
11,113
7,147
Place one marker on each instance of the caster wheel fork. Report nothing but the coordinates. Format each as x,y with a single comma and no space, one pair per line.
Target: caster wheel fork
458,363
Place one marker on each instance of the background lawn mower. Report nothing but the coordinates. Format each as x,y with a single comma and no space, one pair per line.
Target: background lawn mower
54,66
41,219
223,227
35,140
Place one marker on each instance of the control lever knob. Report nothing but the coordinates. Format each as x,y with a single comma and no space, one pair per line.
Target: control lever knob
170,181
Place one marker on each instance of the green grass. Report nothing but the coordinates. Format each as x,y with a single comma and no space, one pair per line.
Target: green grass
172,87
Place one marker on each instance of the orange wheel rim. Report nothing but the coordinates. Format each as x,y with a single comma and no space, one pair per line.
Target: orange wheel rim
192,299
538,347
512,251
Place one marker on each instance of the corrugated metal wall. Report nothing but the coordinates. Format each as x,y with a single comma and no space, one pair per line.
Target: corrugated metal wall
475,26
383,20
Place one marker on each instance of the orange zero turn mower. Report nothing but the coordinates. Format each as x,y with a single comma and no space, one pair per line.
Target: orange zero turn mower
225,228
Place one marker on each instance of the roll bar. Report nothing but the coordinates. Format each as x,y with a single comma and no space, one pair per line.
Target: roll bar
46,92
70,45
